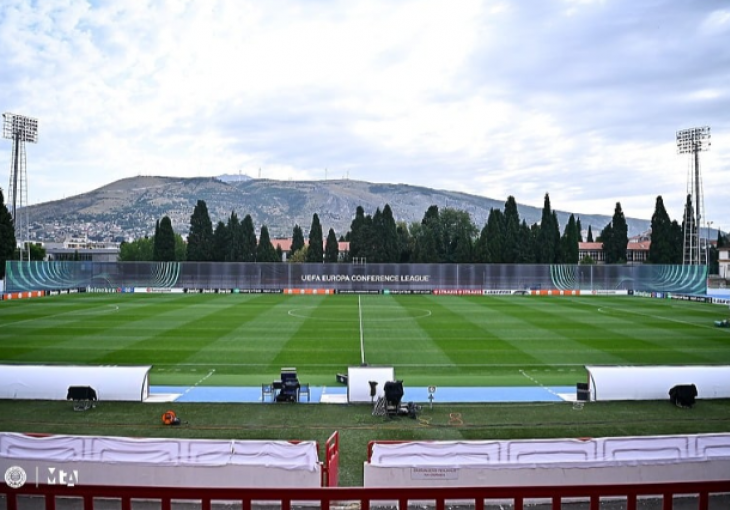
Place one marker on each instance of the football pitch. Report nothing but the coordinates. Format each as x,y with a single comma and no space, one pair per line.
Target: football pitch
244,340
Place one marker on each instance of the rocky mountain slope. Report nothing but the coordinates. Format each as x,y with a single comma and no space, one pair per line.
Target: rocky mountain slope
129,208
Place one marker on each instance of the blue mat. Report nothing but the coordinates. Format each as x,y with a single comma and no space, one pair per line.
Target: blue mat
411,394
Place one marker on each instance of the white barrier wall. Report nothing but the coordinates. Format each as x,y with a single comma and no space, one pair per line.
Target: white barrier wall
51,382
358,382
654,382
604,461
161,462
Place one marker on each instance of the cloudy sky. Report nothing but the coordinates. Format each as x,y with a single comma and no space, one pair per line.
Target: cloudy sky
580,99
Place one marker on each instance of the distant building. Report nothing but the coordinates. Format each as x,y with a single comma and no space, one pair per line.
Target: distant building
724,262
285,244
81,248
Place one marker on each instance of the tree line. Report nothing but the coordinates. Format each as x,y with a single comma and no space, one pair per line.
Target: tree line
443,236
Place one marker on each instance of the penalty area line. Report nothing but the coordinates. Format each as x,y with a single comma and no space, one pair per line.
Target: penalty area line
212,371
540,384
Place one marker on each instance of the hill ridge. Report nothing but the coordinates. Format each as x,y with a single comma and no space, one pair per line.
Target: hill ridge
128,208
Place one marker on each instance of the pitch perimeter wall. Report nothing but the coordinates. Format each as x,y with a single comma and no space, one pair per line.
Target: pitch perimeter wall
22,276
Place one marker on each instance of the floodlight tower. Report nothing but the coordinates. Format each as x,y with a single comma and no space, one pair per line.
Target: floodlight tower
19,129
693,141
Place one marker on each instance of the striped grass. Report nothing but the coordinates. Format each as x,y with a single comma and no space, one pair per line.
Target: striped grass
230,340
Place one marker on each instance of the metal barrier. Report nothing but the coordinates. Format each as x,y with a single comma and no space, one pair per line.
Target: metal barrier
325,497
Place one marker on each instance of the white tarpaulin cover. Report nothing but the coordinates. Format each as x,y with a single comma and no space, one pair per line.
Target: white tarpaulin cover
51,382
555,453
160,452
654,382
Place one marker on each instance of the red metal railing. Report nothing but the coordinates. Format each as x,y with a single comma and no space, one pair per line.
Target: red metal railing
331,466
365,496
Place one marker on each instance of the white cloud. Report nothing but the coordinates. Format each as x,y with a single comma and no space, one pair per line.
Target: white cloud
579,99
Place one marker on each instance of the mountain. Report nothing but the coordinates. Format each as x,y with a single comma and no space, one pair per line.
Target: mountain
129,208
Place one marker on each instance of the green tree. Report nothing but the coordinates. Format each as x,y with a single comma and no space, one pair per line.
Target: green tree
235,239
200,238
495,237
300,255
389,233
481,245
526,245
356,234
181,248
569,243
332,247
678,243
459,233
589,238
580,230
297,240
221,243
164,242
315,253
248,239
615,238
405,242
265,251
429,246
139,250
661,250
511,233
549,236
7,235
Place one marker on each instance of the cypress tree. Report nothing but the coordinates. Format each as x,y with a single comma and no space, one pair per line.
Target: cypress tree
248,240
200,238
265,251
221,243
615,238
511,246
7,235
590,235
332,248
235,239
495,237
315,250
661,250
391,251
547,244
297,240
165,241
569,243
356,233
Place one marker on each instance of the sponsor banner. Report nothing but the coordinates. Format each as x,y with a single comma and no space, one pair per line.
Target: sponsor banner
407,291
359,291
258,291
457,292
641,293
609,292
502,292
434,473
721,301
697,299
321,292
557,292
158,290
103,290
23,295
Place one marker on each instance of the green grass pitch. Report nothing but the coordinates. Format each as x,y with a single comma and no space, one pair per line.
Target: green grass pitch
441,340
239,340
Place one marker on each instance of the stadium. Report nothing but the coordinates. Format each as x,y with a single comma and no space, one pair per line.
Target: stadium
492,354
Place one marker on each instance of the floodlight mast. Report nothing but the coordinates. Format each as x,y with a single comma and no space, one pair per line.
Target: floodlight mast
693,141
19,129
